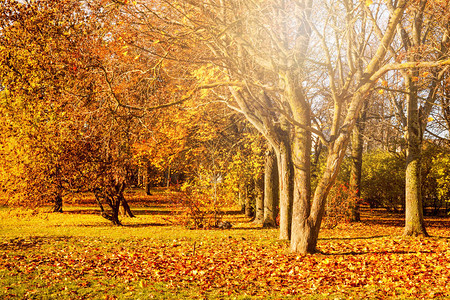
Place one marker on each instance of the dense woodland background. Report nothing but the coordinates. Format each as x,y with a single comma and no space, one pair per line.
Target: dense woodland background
293,110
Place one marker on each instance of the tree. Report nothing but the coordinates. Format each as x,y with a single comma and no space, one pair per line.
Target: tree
53,74
420,32
262,51
38,50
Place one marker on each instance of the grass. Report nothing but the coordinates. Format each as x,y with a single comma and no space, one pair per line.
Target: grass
79,255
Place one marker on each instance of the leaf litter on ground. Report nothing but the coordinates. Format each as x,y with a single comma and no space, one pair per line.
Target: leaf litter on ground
356,261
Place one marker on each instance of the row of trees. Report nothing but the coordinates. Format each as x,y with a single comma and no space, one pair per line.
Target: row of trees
93,89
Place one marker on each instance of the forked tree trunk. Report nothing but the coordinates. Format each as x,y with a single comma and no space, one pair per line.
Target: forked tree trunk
126,210
306,226
271,190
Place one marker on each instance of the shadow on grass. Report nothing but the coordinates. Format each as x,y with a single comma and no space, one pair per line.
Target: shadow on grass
138,212
30,242
356,253
145,212
353,238
146,225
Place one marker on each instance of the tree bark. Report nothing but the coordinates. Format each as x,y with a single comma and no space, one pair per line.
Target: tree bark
286,185
301,157
148,172
414,222
259,199
357,143
249,200
58,204
271,190
126,210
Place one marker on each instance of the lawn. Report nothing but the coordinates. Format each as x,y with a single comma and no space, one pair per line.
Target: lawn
79,255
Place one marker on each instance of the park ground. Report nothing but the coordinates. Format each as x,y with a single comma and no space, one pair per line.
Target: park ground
79,255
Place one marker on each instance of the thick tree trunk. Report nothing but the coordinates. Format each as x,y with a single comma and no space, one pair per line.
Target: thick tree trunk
259,199
115,213
271,190
301,156
58,204
286,174
414,222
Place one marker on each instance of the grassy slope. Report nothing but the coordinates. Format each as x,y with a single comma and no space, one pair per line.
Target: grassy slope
77,255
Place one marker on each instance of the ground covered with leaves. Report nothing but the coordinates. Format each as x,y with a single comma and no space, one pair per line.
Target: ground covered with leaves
79,256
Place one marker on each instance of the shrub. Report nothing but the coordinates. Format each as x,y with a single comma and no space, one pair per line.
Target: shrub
339,204
383,180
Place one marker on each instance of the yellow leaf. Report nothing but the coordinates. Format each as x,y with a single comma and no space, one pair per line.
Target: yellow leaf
142,284
415,78
380,91
369,2
425,74
384,83
430,119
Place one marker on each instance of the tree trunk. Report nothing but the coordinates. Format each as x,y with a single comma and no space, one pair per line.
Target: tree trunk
115,213
249,200
286,185
356,167
271,190
148,172
126,210
99,194
301,156
259,199
414,222
58,204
